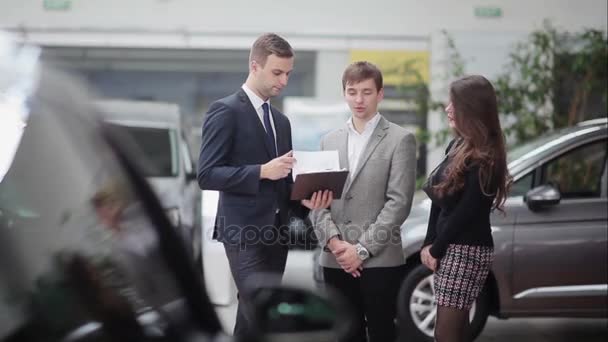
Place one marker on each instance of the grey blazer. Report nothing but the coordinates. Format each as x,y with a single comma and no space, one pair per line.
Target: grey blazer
377,196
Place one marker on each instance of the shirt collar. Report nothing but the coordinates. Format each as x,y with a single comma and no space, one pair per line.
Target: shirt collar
256,101
369,126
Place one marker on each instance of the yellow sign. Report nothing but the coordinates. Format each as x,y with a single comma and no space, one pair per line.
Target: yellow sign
399,67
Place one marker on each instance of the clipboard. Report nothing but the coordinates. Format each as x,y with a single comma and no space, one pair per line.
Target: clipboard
308,183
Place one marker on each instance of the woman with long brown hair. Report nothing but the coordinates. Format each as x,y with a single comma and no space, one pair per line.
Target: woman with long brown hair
468,184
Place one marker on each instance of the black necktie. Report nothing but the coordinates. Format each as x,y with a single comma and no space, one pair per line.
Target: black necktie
269,132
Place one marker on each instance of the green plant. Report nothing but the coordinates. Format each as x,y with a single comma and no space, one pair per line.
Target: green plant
552,80
414,87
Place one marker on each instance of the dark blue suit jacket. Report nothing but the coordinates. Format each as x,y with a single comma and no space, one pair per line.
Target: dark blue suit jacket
233,149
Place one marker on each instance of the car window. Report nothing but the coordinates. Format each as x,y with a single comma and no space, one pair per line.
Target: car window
159,149
578,173
522,152
522,185
312,127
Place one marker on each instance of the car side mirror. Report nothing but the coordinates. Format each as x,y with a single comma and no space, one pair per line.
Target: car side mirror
542,196
282,313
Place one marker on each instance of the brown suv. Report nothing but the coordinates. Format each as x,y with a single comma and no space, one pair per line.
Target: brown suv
550,248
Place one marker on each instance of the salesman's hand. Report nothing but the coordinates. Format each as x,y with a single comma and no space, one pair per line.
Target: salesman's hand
278,168
319,200
427,259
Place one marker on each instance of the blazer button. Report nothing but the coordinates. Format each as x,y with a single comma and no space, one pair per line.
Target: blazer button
347,222
348,197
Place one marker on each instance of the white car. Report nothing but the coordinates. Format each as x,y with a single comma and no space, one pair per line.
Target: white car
156,132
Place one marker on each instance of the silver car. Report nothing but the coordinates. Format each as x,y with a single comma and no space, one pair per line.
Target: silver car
156,132
550,247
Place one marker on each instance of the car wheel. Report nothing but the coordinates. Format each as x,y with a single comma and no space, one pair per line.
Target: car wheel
417,307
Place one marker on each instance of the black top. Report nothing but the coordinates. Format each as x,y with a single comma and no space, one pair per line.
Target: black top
462,217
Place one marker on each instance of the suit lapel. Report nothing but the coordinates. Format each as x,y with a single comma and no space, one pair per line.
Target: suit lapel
379,133
342,141
252,115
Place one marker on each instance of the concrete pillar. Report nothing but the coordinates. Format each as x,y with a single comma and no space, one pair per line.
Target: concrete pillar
436,120
329,68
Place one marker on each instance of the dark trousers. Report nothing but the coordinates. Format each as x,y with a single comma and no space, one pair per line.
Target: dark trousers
373,298
245,262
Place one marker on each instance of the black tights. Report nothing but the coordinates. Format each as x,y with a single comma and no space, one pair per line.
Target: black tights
452,325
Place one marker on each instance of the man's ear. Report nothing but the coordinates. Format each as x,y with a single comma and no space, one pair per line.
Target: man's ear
381,94
253,66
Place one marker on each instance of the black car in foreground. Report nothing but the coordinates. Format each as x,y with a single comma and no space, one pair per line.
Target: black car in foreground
87,252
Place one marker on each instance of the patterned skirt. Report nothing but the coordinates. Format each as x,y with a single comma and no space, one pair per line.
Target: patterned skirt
462,274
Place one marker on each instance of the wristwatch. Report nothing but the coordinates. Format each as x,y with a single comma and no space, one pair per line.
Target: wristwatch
362,252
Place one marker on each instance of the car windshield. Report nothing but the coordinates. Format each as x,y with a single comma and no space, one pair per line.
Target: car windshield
311,120
311,129
521,150
158,147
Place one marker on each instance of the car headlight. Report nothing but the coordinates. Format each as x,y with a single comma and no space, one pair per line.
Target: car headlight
173,215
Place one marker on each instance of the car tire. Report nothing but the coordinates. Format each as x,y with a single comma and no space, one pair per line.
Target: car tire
417,292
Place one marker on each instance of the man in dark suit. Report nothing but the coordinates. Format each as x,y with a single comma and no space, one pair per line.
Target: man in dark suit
246,154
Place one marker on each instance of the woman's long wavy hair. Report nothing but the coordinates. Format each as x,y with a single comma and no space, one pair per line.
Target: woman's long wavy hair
482,142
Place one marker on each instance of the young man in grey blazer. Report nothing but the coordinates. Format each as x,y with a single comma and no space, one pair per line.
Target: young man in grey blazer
360,233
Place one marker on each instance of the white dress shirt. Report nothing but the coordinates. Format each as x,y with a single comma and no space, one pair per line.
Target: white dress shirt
257,103
358,141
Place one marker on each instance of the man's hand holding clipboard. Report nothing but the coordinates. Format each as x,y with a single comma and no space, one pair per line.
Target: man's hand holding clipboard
318,178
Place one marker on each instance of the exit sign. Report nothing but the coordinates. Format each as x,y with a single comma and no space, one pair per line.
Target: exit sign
57,5
488,12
